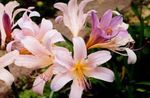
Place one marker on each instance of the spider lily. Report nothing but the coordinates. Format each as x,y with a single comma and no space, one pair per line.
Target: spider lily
7,16
73,16
111,33
79,68
6,60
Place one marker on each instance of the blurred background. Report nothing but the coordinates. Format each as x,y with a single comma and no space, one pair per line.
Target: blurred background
131,81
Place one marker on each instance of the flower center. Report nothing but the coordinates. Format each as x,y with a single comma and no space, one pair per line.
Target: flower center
79,69
109,31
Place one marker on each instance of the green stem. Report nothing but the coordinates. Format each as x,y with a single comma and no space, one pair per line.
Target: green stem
51,94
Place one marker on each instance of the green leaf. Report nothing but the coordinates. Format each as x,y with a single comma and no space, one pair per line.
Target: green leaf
135,10
144,83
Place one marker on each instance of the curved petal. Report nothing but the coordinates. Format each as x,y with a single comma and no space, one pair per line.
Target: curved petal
30,61
101,73
34,46
6,76
54,36
76,90
45,26
98,58
116,20
61,6
132,58
60,80
8,58
106,19
95,21
38,85
58,19
10,6
80,51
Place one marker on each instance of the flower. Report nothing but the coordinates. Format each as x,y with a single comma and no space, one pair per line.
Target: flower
79,68
41,54
111,33
73,16
6,60
7,16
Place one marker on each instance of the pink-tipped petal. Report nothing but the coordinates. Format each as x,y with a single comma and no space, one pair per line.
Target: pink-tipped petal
38,85
6,76
61,6
8,58
106,19
101,73
98,58
76,90
34,46
60,80
132,58
80,51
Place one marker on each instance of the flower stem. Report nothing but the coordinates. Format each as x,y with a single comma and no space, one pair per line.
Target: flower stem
51,94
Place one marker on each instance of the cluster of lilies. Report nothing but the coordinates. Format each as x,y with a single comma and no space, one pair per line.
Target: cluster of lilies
34,46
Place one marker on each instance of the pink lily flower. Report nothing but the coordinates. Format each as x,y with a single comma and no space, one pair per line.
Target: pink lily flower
111,33
7,16
79,68
6,60
73,16
41,54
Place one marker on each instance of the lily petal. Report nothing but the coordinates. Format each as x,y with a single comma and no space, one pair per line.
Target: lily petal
60,80
34,46
132,58
8,58
80,51
106,19
101,73
38,85
6,76
98,58
76,90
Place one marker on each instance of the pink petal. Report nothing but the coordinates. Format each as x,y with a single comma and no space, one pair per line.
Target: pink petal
132,58
80,51
61,6
46,25
30,61
76,90
101,73
52,36
60,80
9,46
34,46
106,19
10,6
65,61
6,76
58,19
98,58
8,58
38,85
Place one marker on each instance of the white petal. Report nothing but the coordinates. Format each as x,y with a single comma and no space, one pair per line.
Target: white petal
60,80
101,73
76,90
8,58
80,51
6,76
132,58
98,58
